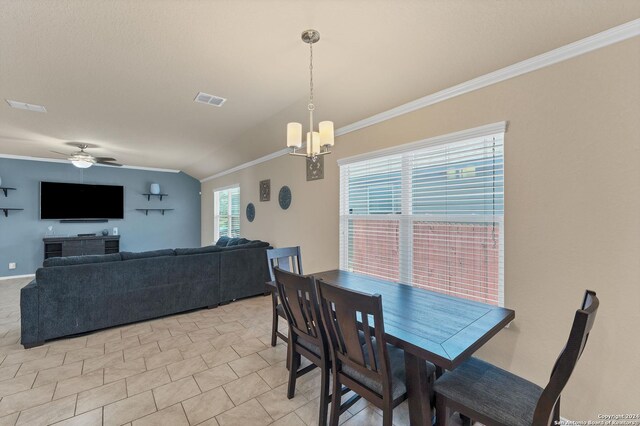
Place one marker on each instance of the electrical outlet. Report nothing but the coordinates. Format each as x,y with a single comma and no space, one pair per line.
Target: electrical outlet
12,265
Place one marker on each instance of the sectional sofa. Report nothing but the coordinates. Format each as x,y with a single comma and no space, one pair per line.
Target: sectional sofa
77,294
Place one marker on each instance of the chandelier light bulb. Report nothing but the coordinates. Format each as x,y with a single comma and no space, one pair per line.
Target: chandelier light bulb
294,135
326,133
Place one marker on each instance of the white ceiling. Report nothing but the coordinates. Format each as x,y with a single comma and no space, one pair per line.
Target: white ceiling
123,74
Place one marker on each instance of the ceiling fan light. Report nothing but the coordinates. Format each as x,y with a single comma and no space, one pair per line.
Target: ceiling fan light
82,164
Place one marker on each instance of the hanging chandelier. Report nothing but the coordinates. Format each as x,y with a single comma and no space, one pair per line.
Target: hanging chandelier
317,143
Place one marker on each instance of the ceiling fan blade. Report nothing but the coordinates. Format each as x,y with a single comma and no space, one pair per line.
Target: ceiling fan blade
61,153
98,159
108,163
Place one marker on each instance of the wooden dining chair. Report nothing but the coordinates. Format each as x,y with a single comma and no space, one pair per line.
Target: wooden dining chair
493,396
306,335
372,369
287,259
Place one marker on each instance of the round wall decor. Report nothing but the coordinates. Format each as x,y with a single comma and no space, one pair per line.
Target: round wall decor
284,197
251,212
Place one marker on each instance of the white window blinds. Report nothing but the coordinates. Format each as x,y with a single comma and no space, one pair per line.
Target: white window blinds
431,217
227,212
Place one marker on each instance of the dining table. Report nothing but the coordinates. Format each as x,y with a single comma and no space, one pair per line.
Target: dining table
429,326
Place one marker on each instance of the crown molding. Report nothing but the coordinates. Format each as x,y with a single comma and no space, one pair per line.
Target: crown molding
56,160
268,157
603,39
580,47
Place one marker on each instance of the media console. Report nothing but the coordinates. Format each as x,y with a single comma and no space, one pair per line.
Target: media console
80,246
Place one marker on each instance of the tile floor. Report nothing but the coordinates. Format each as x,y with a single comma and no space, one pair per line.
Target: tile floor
207,367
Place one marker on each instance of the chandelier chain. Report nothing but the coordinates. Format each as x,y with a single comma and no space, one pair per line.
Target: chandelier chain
311,74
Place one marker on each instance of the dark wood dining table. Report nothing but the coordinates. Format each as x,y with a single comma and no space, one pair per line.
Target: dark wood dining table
428,326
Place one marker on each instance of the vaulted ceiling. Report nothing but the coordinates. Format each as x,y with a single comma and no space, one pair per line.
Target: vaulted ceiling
123,74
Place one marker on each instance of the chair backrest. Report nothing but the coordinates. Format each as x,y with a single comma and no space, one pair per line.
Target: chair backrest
298,296
344,314
582,324
285,258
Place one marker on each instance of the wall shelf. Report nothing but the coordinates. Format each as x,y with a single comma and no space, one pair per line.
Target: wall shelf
149,195
6,210
6,190
146,211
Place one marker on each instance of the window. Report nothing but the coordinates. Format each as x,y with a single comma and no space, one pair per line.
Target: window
227,212
430,215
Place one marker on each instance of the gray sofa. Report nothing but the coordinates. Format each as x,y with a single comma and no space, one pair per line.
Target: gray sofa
77,294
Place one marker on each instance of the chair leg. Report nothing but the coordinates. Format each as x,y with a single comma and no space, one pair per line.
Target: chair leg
293,373
324,397
289,350
442,411
274,323
556,412
387,413
288,356
336,400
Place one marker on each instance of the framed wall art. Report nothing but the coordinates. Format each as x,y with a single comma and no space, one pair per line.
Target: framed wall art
265,190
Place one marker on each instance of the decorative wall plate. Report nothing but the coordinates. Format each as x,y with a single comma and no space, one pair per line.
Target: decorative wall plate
265,190
315,169
251,212
284,197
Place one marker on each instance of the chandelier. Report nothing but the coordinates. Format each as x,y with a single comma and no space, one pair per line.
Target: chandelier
317,143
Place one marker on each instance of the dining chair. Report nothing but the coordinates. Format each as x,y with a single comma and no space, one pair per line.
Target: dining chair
493,396
287,259
373,369
306,335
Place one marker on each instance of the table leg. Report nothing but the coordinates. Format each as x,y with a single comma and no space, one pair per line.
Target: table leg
417,390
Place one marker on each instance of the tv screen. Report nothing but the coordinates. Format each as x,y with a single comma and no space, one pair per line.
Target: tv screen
81,201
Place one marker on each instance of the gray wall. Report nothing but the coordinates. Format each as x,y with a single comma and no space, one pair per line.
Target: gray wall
21,233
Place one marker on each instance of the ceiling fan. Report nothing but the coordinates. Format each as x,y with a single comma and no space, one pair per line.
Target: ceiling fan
84,160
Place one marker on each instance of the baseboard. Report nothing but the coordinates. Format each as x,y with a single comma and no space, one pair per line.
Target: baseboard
11,277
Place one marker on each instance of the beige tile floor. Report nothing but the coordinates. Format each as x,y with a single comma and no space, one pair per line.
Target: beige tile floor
207,367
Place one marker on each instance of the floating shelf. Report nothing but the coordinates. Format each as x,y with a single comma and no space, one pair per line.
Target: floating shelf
6,189
7,209
148,195
146,211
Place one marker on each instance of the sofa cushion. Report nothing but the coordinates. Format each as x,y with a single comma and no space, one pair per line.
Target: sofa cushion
223,241
198,250
127,255
81,260
250,245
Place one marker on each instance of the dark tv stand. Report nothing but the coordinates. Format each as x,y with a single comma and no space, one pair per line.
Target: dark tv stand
83,221
80,246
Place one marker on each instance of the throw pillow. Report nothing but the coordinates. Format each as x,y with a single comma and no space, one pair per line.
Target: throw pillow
233,242
223,241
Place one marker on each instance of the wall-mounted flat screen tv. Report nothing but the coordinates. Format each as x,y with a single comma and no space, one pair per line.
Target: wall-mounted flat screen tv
75,201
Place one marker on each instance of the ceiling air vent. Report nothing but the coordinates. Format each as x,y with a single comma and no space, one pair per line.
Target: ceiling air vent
205,98
24,105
